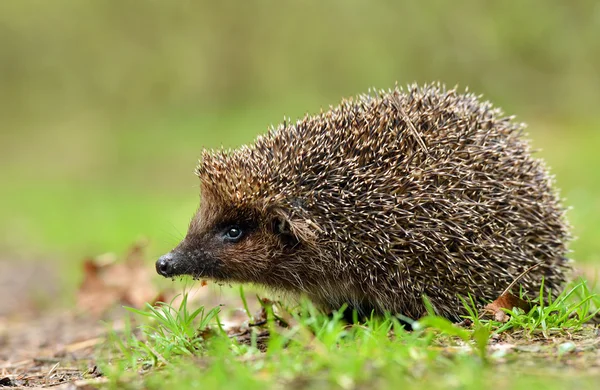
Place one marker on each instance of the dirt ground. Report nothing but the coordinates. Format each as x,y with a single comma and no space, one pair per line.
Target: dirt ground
55,348
43,347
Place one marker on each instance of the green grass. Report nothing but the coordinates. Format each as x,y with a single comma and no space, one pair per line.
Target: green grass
178,348
575,306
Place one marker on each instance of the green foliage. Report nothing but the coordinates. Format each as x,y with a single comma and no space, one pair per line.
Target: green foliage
310,348
572,308
172,332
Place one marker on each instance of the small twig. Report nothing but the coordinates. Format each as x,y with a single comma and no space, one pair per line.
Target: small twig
512,284
258,323
66,369
396,103
49,374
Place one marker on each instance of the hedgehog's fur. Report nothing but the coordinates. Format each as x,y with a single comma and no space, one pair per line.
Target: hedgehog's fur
380,201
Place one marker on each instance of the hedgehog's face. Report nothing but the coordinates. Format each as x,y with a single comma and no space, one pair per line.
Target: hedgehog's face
229,243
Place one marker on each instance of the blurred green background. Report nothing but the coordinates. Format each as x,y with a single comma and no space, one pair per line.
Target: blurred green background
105,106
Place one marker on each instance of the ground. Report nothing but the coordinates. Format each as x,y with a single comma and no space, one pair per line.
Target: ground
61,349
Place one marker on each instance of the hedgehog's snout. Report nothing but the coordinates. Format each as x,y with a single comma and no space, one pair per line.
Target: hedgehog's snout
165,265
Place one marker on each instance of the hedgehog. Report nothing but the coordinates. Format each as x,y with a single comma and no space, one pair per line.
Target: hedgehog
372,205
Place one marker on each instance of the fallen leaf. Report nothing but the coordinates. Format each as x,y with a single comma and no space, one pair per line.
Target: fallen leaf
505,301
108,282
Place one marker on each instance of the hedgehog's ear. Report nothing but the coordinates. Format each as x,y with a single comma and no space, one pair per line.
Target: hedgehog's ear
293,231
281,226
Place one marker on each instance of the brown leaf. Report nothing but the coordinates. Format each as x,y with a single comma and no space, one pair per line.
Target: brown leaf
108,283
505,301
508,301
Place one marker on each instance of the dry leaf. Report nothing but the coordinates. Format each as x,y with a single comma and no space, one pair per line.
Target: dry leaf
505,301
107,282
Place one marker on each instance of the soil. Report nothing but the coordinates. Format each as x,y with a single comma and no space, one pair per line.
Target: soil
41,347
55,348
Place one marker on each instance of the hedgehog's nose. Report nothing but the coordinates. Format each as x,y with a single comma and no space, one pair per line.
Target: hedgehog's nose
164,265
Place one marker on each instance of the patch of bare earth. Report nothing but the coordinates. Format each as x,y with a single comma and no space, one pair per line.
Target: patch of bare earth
41,347
54,349
58,348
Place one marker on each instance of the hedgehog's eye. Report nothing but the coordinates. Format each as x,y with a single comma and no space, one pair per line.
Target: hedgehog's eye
233,234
